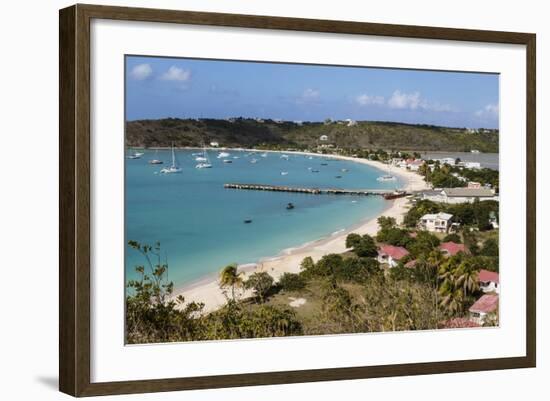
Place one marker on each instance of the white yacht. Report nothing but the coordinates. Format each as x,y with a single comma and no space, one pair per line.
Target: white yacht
223,155
175,167
205,161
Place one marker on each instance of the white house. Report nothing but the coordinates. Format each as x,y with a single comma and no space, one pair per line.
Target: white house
433,195
350,122
472,165
214,144
489,281
488,303
448,160
323,138
467,195
391,254
439,223
415,164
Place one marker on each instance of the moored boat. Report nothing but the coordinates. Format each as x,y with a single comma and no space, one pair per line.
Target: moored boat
395,194
174,167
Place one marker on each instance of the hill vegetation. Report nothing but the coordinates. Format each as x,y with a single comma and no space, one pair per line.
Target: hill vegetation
242,132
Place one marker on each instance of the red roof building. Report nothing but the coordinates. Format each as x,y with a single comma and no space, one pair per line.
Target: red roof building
452,248
458,323
488,276
489,281
485,304
410,264
391,254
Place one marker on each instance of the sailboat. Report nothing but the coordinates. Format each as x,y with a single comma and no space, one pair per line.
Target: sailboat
205,161
175,167
135,155
386,177
156,161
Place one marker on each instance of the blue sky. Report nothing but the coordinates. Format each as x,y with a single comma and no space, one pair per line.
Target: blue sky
191,88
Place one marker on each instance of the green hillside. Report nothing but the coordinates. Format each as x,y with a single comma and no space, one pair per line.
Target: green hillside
249,133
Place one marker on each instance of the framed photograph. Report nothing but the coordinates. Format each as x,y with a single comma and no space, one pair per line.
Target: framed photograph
249,200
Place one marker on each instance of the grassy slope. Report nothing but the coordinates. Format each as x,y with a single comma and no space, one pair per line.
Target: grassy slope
250,133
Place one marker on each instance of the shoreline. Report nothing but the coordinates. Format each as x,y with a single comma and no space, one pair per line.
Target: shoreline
206,289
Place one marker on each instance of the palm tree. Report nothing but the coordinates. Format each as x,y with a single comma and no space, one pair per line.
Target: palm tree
467,278
229,277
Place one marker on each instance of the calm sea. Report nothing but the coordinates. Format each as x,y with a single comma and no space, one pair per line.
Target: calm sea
201,225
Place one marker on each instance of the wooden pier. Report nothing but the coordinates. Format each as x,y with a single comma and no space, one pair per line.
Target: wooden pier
312,191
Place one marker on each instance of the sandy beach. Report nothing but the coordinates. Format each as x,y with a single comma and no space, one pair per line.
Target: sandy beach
208,291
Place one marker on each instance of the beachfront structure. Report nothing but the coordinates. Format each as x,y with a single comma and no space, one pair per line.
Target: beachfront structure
391,254
438,223
323,138
488,303
414,165
467,195
214,144
458,195
448,160
489,281
452,248
471,165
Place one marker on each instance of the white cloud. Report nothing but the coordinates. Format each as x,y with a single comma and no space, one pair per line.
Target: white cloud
400,100
414,101
176,74
490,110
367,100
309,96
141,72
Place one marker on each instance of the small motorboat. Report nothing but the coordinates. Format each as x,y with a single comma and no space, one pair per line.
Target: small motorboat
338,176
203,165
284,172
324,164
247,221
344,170
285,157
384,178
314,171
254,161
264,154
227,161
290,206
222,155
156,161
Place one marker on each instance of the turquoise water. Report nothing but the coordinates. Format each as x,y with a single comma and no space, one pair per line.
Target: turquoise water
200,224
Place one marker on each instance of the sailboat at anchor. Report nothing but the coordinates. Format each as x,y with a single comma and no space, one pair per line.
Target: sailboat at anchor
175,167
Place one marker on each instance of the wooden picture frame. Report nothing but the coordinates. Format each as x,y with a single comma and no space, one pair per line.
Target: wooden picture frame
74,199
